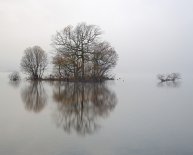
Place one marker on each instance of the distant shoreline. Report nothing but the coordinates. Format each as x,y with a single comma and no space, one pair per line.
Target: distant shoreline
72,80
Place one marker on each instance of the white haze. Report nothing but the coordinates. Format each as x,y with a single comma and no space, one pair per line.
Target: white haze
150,36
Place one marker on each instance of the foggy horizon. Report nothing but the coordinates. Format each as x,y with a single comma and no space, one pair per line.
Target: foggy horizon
149,36
76,91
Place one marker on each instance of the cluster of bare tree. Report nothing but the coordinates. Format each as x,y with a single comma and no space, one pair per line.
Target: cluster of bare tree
80,53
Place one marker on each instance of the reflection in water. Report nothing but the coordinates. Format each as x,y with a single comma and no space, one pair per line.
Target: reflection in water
15,84
173,84
80,104
34,96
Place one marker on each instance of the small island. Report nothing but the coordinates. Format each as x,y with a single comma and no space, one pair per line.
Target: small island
79,55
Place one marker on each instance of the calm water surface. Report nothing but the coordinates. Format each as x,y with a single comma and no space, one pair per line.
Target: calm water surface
137,116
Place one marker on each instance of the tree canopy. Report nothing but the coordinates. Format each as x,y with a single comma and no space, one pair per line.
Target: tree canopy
34,62
81,54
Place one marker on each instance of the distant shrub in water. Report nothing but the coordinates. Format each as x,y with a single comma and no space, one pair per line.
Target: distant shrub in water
168,77
14,76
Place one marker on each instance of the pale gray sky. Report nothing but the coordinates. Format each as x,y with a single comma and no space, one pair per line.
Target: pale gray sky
150,36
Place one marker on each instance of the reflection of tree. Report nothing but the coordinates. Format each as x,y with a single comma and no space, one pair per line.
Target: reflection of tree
34,96
172,84
15,84
80,104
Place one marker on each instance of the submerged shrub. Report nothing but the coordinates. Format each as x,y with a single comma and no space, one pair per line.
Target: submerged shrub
14,76
168,77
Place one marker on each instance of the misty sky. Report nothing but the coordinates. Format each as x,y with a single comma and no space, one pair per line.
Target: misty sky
150,36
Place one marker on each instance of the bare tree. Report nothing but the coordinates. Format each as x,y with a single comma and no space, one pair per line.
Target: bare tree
104,59
80,46
34,62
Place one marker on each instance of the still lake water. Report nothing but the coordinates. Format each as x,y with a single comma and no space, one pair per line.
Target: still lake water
136,116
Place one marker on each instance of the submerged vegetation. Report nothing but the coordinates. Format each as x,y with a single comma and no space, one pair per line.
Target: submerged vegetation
79,55
169,77
14,76
14,79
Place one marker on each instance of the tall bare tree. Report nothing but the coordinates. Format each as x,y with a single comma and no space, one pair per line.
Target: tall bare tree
34,62
81,47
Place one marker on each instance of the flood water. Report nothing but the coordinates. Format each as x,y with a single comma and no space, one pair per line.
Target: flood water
129,116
